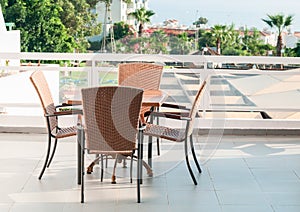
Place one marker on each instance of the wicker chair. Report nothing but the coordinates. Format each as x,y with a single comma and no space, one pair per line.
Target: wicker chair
111,120
51,114
146,76
142,75
178,135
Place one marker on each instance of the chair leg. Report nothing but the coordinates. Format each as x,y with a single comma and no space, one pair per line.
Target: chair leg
158,148
106,162
53,152
157,139
101,177
131,163
113,177
124,163
147,167
194,154
188,163
82,171
139,165
47,157
90,168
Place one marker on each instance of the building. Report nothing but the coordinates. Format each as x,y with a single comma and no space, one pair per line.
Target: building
119,11
9,42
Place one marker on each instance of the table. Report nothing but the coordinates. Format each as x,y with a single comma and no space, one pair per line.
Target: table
153,98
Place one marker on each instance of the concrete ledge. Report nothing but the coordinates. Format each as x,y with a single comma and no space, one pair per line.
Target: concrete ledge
38,130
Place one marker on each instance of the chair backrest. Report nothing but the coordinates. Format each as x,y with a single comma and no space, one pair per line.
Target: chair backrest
111,115
41,86
141,75
195,107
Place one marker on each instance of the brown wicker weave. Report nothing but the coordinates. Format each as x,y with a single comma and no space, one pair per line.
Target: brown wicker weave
111,118
178,135
54,131
141,75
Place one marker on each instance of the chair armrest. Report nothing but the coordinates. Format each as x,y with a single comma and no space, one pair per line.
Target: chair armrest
182,107
74,102
69,104
142,127
67,112
170,115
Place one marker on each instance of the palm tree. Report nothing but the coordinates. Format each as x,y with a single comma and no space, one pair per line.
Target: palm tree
280,22
107,8
158,42
142,16
220,33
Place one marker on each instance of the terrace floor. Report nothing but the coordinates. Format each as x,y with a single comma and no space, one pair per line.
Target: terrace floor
240,173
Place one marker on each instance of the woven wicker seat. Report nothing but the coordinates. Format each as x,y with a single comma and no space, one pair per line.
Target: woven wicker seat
177,135
51,114
111,120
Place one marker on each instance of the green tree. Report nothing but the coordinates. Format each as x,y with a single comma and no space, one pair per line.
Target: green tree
200,21
40,26
158,42
280,22
181,44
253,44
51,25
3,4
296,50
79,21
142,16
121,30
220,34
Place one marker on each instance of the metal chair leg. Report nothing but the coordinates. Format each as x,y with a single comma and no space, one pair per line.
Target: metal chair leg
194,154
113,177
188,163
131,164
53,152
82,170
47,157
101,177
139,165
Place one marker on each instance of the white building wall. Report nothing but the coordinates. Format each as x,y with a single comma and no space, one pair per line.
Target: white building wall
290,41
120,10
10,41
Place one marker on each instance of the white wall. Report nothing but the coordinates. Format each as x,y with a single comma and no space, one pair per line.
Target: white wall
10,41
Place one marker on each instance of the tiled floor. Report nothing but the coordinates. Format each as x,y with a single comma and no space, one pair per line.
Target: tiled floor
241,173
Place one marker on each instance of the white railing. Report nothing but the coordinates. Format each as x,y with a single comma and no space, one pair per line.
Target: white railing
98,63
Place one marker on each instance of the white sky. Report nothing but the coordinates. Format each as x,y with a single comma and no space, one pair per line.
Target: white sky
239,12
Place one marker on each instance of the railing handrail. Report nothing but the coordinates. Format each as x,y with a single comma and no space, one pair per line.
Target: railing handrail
197,60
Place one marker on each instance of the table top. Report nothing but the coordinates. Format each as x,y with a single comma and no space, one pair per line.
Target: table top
153,98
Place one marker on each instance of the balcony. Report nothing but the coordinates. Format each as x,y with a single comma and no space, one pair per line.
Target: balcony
240,173
250,163
234,99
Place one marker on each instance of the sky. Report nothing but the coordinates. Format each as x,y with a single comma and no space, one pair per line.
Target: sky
239,12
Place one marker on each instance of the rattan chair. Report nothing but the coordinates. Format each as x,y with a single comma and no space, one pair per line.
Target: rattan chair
142,75
146,76
51,114
111,121
179,135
